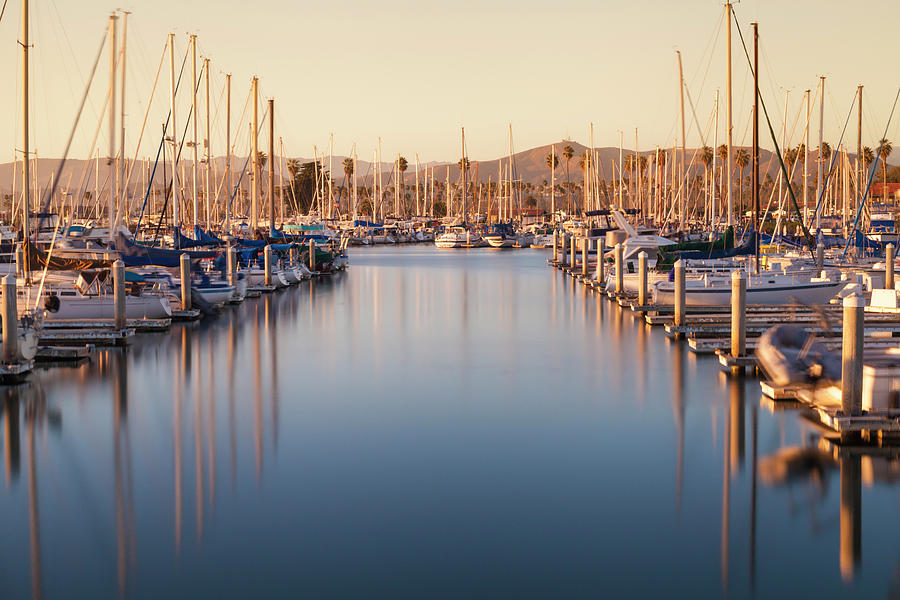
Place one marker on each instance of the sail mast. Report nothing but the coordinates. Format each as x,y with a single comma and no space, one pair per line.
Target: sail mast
681,209
228,153
208,144
820,188
754,164
271,164
254,139
26,189
728,126
111,205
195,200
175,222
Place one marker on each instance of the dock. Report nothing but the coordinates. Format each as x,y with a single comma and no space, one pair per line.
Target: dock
851,411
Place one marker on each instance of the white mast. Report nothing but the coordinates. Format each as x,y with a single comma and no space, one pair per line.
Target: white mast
806,160
552,182
208,144
254,159
355,190
728,127
417,184
714,156
820,187
195,204
175,222
683,203
228,153
26,189
123,205
111,206
621,174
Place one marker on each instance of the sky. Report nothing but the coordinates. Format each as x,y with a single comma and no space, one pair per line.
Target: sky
415,72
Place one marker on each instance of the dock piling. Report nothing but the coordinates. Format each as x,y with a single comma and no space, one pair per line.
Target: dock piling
20,259
267,262
312,255
852,355
889,267
642,278
119,314
231,265
679,294
585,247
738,314
574,257
10,321
601,250
185,265
620,270
564,242
820,258
555,247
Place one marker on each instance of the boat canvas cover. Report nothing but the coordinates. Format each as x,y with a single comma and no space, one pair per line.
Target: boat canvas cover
137,255
39,259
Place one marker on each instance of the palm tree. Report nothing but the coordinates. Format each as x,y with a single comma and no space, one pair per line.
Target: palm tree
348,172
741,160
568,153
261,159
884,150
293,167
552,160
706,156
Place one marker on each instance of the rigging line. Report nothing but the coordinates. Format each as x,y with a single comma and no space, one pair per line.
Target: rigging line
834,154
62,162
862,202
3,11
137,147
694,114
762,103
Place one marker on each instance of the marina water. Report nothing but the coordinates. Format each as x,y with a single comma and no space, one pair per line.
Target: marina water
428,424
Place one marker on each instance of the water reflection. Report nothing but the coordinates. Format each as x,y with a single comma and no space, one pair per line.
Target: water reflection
467,419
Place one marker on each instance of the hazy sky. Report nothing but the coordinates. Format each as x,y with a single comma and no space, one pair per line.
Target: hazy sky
414,72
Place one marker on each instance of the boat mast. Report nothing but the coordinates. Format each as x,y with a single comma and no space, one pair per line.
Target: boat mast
208,144
26,189
254,138
228,153
123,205
715,220
681,208
111,160
194,173
417,184
754,158
820,188
621,174
271,164
462,167
728,125
806,161
552,183
175,222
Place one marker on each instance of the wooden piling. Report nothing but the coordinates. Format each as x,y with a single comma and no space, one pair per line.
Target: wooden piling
312,255
679,294
642,279
601,250
852,355
620,269
564,249
555,246
10,320
738,314
231,259
267,264
585,247
889,267
820,258
185,265
573,257
119,314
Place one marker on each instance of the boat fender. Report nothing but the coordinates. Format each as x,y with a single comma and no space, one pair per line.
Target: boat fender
52,303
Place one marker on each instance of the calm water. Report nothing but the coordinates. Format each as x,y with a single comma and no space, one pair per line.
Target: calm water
429,424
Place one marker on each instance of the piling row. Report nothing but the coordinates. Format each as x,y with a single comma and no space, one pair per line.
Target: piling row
731,333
